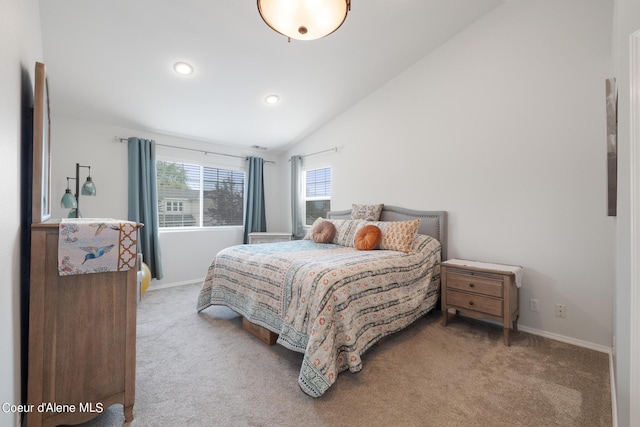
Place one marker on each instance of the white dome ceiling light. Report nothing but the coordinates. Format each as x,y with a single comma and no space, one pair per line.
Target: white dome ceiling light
304,19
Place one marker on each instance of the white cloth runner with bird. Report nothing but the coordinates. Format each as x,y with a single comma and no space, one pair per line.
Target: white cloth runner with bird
96,245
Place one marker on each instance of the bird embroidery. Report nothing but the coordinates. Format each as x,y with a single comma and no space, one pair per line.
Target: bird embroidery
102,226
95,252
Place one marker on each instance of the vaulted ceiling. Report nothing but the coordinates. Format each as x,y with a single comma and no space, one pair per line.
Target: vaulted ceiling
111,62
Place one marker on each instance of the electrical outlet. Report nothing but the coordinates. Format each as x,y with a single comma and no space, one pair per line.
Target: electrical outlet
561,311
533,304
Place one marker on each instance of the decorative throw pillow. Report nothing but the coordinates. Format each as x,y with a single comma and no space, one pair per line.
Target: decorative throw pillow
399,235
309,235
324,232
367,238
366,212
345,231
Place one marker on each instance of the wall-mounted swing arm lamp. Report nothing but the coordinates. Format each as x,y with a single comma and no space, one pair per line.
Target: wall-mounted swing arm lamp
72,201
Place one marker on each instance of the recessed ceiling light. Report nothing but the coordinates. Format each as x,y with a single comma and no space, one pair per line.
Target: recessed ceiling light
272,99
183,68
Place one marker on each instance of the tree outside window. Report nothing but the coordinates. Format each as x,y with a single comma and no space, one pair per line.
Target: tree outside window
198,196
223,197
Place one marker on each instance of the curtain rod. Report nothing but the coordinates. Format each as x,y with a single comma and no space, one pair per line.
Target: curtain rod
119,139
334,149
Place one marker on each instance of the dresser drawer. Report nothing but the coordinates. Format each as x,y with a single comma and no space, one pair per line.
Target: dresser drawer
476,282
475,302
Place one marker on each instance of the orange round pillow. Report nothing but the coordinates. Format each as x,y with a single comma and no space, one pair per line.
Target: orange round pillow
368,238
324,232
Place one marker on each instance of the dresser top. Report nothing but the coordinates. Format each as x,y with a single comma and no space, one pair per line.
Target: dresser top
55,223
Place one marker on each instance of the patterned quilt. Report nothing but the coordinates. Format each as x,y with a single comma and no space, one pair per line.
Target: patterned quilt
327,301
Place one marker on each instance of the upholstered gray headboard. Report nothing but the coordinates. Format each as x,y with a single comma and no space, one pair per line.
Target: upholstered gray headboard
434,223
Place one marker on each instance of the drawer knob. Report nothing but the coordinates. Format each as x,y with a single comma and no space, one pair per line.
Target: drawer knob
470,302
471,285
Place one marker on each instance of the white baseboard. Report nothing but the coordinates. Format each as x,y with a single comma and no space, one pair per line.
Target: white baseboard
614,399
568,340
153,287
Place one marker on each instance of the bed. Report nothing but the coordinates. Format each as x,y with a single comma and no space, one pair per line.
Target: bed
331,301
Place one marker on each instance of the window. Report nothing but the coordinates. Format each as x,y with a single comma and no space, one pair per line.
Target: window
199,196
317,198
174,206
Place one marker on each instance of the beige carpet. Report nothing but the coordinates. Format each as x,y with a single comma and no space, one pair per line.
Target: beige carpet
204,370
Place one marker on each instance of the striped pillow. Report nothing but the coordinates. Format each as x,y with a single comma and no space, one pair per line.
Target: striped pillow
345,231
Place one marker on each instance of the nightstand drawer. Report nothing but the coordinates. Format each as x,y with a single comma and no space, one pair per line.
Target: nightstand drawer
475,302
480,283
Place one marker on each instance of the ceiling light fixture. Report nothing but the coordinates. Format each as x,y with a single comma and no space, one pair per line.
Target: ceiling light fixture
304,19
272,99
183,68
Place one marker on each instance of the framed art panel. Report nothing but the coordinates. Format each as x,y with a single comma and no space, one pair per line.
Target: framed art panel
41,199
612,147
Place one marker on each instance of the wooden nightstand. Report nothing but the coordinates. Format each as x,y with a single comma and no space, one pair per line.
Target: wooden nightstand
482,291
262,237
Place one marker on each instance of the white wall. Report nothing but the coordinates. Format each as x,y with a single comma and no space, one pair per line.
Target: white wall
75,141
185,254
504,128
20,48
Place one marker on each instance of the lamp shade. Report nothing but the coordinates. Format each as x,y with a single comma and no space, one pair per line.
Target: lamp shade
89,188
68,200
75,213
304,19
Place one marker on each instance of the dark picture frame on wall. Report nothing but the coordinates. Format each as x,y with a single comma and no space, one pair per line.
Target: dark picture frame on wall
612,146
41,196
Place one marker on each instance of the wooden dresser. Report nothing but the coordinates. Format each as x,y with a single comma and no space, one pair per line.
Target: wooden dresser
482,291
82,338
